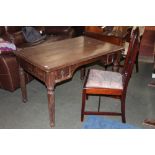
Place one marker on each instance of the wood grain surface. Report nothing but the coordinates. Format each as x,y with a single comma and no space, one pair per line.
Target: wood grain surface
50,56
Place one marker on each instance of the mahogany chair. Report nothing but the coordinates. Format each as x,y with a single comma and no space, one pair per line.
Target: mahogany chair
110,84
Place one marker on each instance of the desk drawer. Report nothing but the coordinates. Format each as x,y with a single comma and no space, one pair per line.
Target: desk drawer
62,74
38,73
108,59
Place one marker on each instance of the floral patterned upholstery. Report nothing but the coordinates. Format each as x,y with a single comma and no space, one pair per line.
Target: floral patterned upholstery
7,46
104,79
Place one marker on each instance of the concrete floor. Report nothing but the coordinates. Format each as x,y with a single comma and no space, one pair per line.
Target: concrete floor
34,114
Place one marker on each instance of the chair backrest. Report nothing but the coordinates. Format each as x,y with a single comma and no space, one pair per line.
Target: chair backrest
131,57
133,37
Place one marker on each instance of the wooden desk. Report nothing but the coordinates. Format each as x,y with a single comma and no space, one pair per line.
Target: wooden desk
55,62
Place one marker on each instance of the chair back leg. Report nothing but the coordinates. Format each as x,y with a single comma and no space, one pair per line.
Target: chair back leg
123,108
83,105
99,103
136,63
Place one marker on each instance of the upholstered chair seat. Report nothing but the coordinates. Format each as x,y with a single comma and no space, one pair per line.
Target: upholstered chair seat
104,79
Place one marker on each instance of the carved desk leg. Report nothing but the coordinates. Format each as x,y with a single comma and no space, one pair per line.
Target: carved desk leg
116,62
50,82
82,72
23,84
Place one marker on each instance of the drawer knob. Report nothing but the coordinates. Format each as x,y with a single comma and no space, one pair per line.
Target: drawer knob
62,72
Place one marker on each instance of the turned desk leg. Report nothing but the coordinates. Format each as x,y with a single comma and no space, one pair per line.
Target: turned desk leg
82,73
23,84
116,63
51,105
51,98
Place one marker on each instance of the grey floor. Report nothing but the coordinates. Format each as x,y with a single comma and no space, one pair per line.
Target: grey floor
140,103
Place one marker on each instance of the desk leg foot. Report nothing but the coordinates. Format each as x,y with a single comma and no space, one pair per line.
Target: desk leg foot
52,125
24,100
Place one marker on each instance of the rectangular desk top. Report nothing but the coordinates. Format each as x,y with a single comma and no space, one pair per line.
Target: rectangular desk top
54,55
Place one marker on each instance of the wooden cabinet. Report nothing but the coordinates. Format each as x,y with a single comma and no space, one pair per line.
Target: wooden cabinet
97,32
93,29
147,43
150,28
